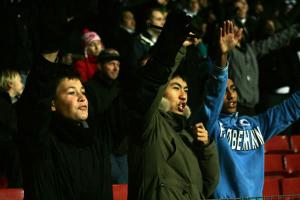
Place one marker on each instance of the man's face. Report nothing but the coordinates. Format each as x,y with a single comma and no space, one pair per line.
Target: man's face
70,100
111,69
128,20
16,86
157,18
163,2
194,5
241,7
230,98
94,48
176,93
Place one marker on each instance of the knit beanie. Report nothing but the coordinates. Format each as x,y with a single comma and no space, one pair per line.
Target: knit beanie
88,37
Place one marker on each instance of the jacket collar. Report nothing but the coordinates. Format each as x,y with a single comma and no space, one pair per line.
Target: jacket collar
176,121
236,114
165,107
78,134
6,96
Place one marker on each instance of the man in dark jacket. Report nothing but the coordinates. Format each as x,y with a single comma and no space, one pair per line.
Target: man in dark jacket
166,160
65,149
11,87
147,38
102,85
244,65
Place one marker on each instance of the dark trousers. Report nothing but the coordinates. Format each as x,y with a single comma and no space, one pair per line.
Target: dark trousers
119,169
10,167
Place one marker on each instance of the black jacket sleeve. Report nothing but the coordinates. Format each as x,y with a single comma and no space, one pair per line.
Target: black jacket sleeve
34,108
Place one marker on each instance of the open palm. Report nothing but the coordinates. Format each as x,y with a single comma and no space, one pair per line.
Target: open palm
229,38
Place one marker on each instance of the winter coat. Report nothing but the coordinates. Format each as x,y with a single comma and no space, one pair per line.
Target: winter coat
165,160
86,67
9,154
8,121
60,159
244,67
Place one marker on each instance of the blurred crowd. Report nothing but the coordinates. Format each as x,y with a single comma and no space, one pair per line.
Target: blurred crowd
113,39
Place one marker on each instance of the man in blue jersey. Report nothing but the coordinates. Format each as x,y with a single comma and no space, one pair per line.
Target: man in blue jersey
240,141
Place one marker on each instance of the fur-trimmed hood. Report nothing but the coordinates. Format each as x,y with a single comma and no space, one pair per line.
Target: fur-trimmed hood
165,107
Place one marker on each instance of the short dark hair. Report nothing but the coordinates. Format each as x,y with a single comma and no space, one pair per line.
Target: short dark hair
60,73
181,71
108,55
180,75
152,9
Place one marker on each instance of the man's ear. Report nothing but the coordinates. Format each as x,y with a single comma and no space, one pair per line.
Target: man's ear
10,84
99,65
53,107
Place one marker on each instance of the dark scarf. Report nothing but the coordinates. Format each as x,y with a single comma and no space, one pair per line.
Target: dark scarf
78,134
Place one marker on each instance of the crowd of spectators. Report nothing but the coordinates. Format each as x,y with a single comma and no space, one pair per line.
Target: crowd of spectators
106,49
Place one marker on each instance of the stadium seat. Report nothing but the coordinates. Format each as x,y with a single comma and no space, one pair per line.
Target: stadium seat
120,191
295,143
278,144
11,194
292,164
274,164
271,186
291,187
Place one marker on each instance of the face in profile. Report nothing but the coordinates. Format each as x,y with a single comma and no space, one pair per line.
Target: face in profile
128,20
94,48
230,98
157,18
70,100
176,93
16,86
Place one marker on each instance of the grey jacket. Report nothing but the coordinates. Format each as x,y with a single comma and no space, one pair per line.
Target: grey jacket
244,65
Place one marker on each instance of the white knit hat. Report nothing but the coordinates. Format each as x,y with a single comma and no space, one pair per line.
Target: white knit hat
88,37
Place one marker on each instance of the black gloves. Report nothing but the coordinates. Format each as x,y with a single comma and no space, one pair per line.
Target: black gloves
170,40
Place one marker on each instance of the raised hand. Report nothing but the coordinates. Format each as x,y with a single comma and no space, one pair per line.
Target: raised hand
229,37
201,133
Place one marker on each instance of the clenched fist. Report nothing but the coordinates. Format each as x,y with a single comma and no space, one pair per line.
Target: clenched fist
201,133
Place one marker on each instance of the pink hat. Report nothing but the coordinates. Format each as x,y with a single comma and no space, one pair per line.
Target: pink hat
89,36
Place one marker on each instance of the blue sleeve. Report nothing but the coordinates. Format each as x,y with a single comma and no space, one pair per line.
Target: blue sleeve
279,117
213,99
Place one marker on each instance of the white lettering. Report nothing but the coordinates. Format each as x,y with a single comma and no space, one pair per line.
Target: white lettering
259,135
229,132
234,139
242,140
222,130
246,142
239,140
254,140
